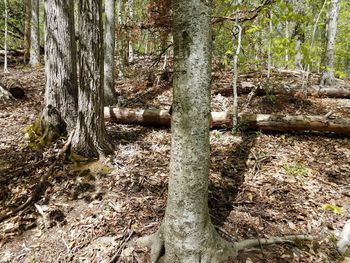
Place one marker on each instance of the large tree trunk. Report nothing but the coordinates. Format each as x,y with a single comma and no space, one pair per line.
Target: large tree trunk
110,95
89,137
267,122
27,19
328,75
186,232
35,35
61,92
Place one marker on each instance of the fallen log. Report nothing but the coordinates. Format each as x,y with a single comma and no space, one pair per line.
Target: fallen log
287,123
14,87
312,91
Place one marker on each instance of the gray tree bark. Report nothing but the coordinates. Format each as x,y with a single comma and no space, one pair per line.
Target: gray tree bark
187,233
328,74
129,40
110,96
27,28
89,137
61,92
120,40
34,35
5,37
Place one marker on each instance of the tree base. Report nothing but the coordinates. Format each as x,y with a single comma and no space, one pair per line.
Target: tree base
219,251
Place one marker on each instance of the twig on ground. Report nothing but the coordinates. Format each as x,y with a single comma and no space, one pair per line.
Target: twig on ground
38,189
121,246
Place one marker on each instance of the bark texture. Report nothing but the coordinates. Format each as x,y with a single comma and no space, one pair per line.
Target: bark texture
328,75
110,95
187,232
89,138
61,91
34,35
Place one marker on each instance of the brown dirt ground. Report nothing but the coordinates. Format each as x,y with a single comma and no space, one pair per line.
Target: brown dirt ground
261,184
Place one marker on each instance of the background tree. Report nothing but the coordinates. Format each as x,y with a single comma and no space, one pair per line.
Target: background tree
61,92
5,38
34,34
328,74
27,22
110,96
89,137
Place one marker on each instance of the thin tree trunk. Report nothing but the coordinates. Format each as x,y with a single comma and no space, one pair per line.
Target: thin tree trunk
235,78
120,39
328,75
34,35
110,95
307,72
269,47
27,28
61,92
130,18
286,31
89,137
5,37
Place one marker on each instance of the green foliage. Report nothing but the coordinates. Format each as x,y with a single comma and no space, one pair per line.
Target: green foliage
333,208
295,169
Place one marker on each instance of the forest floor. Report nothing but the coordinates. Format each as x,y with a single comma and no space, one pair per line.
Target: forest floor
261,184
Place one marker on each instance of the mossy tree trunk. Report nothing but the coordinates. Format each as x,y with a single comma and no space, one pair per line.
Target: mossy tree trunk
34,35
89,137
187,232
110,96
61,91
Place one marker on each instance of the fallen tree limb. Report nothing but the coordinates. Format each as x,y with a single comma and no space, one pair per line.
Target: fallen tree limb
13,87
267,122
313,91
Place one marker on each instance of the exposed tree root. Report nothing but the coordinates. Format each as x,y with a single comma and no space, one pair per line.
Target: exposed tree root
250,243
4,94
39,188
222,250
155,242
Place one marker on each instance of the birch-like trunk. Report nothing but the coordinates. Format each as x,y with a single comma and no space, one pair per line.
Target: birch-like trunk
130,20
89,137
120,39
27,27
34,35
328,74
5,37
269,47
61,91
110,96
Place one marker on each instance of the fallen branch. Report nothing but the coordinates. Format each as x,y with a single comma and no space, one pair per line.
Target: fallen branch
313,91
267,122
39,188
